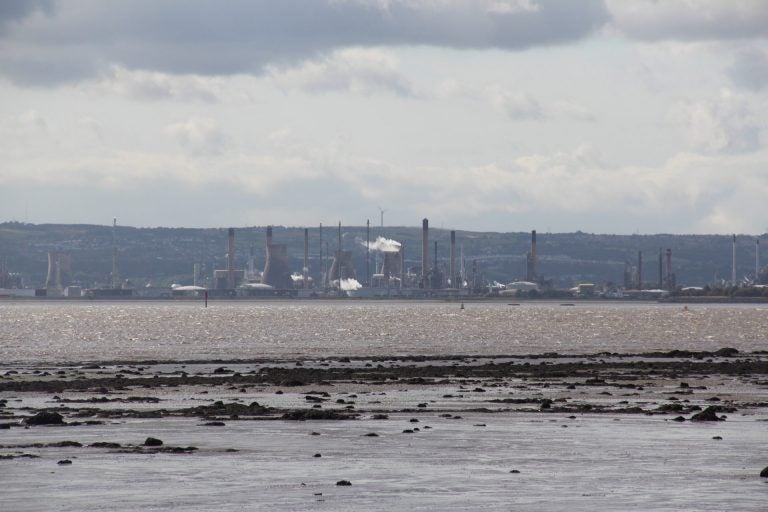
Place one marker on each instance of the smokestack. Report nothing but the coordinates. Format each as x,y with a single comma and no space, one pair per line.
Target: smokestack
639,270
339,248
269,236
231,260
305,270
323,270
534,270
661,269
453,260
733,263
670,277
402,265
757,259
425,253
368,251
435,284
115,275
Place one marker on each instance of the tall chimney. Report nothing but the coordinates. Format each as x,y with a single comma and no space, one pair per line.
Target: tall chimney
305,270
231,260
534,270
757,259
339,248
639,270
425,253
402,265
115,275
453,260
434,268
670,278
368,251
323,270
269,236
733,263
661,269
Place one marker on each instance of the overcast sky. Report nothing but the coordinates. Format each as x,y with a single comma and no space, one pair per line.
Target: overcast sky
608,116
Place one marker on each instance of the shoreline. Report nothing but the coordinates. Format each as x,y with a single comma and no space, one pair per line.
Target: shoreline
393,427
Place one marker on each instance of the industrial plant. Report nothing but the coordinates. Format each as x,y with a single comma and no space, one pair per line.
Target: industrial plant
351,263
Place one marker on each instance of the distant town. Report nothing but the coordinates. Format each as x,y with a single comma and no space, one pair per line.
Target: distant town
115,262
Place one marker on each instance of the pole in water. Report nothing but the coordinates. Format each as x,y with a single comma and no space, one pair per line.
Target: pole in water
462,306
206,298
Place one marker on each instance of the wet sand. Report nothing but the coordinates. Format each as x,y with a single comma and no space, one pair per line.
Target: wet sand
427,433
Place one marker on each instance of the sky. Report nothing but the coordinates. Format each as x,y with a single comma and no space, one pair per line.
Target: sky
605,116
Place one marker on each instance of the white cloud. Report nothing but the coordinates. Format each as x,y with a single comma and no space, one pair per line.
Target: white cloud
728,123
155,86
750,68
354,70
694,193
199,135
32,120
517,105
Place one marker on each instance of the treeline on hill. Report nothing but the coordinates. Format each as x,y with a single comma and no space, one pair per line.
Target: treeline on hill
167,255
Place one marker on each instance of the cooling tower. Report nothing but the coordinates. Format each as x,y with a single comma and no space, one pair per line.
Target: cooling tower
276,271
342,266
59,271
391,266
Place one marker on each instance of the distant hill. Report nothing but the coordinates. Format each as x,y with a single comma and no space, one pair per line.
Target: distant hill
167,255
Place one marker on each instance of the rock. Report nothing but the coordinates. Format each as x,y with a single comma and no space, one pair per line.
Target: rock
708,414
371,434
726,352
679,418
515,471
103,444
717,438
317,455
46,418
151,441
380,417
215,424
343,482
315,414
64,462
407,431
764,472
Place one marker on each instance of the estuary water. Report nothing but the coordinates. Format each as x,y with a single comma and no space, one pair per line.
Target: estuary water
58,332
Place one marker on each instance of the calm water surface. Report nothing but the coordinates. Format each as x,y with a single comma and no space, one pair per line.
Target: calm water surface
60,332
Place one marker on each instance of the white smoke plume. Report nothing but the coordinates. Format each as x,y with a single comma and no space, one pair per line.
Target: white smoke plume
350,284
384,245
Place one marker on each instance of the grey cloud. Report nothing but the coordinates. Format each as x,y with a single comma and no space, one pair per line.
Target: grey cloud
750,69
16,10
209,37
686,20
